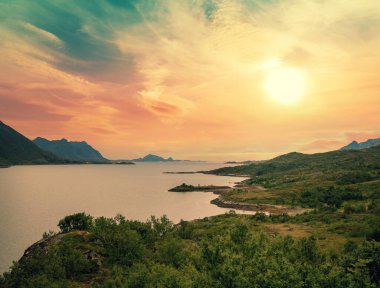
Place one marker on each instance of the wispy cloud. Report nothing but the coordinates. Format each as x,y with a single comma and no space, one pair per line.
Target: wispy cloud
43,33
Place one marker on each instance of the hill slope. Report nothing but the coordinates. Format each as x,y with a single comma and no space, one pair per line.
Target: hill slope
17,149
324,179
329,161
70,150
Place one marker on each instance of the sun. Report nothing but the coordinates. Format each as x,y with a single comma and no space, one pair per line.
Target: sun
285,85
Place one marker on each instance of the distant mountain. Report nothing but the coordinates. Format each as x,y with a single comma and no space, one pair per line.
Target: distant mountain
154,158
70,150
17,149
354,145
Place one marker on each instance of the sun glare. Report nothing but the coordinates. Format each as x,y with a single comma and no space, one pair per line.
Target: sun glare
285,85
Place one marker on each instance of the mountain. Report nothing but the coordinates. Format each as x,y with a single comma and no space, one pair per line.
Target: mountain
153,158
17,149
70,150
354,145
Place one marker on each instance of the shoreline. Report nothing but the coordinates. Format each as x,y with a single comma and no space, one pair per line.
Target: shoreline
241,206
254,207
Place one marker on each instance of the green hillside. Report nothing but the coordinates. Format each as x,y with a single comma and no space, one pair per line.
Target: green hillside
342,189
323,179
17,149
298,162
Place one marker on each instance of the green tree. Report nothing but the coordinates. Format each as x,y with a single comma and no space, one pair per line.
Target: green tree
78,221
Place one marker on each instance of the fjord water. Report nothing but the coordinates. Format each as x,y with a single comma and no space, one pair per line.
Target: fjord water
34,198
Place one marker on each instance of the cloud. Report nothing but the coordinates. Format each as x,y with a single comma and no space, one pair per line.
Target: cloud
13,109
322,145
362,136
182,73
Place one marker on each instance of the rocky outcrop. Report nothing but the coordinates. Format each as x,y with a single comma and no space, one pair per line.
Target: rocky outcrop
42,244
46,243
190,188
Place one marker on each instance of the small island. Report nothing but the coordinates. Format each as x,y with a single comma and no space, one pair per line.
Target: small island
122,162
181,172
190,188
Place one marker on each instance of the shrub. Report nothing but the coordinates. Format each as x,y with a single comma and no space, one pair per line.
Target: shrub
78,221
354,208
374,234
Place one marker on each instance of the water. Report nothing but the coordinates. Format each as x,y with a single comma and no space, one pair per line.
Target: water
34,198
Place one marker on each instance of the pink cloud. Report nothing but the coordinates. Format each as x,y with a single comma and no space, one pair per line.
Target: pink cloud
322,145
163,108
14,109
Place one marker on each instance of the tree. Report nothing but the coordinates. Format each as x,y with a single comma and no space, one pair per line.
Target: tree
161,225
78,221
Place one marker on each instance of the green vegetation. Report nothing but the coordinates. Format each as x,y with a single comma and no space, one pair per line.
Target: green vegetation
319,180
78,221
342,188
223,251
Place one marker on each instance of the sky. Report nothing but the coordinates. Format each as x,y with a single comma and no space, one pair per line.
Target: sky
192,79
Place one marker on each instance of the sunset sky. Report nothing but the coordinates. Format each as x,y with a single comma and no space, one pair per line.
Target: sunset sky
196,79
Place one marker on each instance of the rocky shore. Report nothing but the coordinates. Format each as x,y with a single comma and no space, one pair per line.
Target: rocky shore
220,202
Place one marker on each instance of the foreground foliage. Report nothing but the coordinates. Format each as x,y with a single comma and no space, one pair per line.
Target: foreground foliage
222,251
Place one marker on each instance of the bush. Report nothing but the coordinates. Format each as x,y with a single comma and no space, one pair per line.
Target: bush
161,225
374,234
185,229
78,221
354,208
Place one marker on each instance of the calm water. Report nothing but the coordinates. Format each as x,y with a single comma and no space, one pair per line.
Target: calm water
34,198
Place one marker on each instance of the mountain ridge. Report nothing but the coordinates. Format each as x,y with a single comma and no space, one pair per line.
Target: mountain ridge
70,150
355,145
